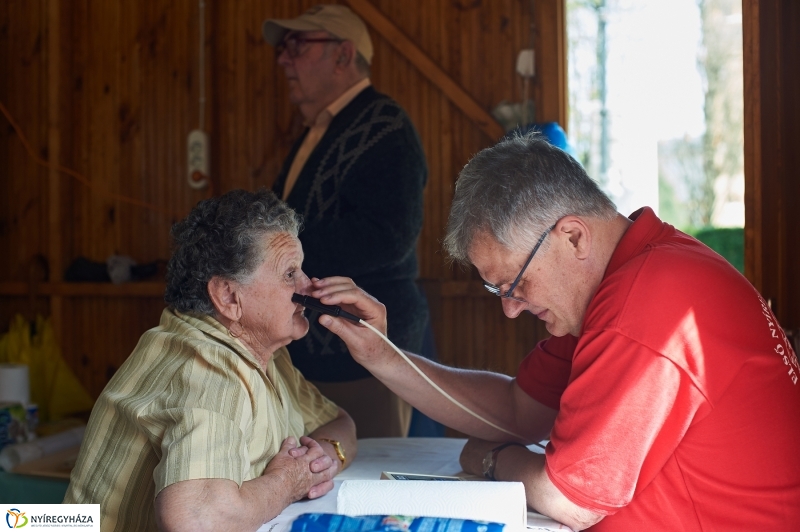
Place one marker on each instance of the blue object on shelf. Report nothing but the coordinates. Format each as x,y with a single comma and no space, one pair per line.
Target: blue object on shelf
553,132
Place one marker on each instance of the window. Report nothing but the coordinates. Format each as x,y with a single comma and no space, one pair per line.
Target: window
656,109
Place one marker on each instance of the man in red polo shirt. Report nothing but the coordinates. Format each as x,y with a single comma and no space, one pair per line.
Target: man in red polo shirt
668,390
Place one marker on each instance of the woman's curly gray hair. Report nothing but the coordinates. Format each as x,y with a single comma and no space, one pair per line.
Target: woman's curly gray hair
222,237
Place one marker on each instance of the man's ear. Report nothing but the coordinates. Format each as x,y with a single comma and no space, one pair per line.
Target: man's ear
347,53
225,297
578,234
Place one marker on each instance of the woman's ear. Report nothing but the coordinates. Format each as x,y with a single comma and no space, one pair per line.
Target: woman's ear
225,297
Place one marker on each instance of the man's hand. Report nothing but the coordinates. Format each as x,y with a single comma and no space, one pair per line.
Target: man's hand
516,463
365,346
473,453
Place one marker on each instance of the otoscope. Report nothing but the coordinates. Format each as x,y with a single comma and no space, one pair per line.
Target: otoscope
332,310
336,311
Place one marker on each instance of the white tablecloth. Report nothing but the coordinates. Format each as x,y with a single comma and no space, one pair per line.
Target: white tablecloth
431,456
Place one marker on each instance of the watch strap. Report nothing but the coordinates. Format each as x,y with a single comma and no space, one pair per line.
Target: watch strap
495,452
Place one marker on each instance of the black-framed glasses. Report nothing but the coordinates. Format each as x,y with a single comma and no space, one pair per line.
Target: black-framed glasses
496,289
294,44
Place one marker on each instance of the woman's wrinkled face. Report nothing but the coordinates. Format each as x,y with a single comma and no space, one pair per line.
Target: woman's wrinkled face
269,317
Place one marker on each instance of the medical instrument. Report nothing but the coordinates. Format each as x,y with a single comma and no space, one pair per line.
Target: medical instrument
332,310
336,311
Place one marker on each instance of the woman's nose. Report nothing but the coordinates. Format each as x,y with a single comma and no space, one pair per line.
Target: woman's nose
303,284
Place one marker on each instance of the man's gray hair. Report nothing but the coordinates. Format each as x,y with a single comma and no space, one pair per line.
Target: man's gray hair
222,237
516,189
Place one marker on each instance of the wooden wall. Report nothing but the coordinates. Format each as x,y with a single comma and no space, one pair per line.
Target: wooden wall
109,91
772,153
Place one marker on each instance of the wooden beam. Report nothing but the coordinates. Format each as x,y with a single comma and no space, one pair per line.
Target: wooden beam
751,34
56,224
563,75
394,36
550,42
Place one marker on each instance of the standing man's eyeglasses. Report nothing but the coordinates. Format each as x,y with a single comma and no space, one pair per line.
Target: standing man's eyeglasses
295,43
496,289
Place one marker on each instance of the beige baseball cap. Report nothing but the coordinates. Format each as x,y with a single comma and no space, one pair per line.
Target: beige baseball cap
335,19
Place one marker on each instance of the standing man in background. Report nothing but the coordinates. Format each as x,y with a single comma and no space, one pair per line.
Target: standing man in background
357,176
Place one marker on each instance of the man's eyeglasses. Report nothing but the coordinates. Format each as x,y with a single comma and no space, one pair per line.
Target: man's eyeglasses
294,44
496,289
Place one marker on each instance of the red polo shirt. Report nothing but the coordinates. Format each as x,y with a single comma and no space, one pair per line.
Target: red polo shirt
679,404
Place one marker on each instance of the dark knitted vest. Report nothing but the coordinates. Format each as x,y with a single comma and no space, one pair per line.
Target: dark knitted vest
361,197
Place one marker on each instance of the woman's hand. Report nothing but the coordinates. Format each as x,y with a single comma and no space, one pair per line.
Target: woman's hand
216,503
322,465
306,470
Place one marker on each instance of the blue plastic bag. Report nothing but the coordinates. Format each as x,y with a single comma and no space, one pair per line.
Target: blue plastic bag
388,523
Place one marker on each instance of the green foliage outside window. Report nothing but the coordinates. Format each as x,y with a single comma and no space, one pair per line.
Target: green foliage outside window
727,241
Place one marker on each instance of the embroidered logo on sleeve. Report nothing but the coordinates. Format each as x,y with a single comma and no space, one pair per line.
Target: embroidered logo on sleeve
781,343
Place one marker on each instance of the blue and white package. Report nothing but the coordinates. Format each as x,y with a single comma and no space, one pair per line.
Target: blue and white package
388,523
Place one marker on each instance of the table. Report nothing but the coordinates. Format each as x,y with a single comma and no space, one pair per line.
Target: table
433,456
40,481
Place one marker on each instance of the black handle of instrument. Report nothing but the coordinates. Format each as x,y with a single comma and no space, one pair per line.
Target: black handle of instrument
332,310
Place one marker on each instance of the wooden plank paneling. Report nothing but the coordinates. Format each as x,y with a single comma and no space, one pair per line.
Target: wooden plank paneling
54,131
23,198
101,333
392,34
125,82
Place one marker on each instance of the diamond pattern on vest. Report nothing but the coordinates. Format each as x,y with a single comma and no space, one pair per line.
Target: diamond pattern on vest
372,124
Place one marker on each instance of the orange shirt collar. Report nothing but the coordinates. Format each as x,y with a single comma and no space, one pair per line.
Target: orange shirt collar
327,114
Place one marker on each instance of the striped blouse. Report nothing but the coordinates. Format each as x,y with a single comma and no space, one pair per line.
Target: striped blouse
189,403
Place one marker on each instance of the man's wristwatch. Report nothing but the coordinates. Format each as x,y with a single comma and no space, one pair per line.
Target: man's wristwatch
490,460
336,447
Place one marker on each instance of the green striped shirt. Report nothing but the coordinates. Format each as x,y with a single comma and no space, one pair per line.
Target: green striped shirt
189,403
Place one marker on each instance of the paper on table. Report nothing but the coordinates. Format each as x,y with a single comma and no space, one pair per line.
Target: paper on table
499,502
14,455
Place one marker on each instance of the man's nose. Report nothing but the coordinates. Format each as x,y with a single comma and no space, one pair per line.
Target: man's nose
283,58
512,308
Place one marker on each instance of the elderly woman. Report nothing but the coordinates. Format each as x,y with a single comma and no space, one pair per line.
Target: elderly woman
207,425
